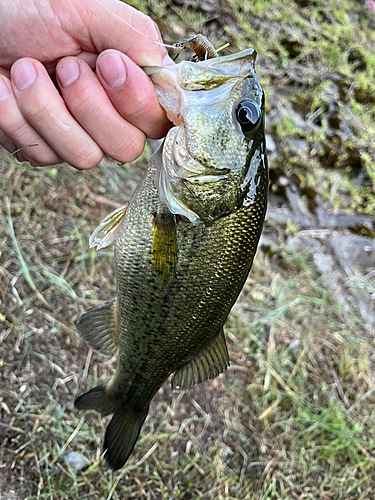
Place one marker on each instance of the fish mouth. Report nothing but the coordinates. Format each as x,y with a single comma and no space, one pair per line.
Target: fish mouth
178,173
177,170
168,179
192,171
204,179
185,166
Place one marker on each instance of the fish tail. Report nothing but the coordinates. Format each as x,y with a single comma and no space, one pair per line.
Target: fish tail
100,399
124,428
121,435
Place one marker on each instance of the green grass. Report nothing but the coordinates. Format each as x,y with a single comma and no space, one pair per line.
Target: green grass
293,417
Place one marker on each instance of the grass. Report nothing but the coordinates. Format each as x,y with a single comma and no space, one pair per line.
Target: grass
293,417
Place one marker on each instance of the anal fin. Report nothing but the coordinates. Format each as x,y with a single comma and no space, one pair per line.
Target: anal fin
209,363
98,327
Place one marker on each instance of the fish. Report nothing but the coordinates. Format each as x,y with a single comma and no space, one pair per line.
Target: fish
184,244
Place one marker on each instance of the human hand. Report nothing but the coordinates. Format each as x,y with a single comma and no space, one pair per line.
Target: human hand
107,111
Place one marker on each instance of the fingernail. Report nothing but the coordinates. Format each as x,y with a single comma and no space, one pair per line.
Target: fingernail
112,69
4,90
67,72
167,61
23,74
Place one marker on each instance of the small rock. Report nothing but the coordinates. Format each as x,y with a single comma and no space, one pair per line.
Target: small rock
76,461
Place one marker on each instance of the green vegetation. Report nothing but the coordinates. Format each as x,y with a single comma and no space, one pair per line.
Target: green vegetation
294,416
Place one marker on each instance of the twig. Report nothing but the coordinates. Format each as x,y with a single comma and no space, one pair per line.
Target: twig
100,199
87,364
54,320
146,455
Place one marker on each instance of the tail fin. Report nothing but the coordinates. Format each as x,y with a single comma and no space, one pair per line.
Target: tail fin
124,428
98,399
121,436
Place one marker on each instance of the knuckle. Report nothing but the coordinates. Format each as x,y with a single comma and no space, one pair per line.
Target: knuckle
16,130
151,29
144,108
85,160
41,156
131,151
86,105
35,111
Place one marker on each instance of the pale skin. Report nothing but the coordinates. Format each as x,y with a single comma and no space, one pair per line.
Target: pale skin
94,51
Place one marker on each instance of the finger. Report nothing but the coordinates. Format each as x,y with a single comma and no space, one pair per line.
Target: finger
92,108
20,157
5,72
131,31
44,109
7,143
16,129
89,58
132,93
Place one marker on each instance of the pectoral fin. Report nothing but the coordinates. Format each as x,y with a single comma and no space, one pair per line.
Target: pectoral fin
98,327
107,230
209,363
164,245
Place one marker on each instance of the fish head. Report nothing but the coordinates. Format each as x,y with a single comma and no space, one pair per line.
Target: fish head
212,160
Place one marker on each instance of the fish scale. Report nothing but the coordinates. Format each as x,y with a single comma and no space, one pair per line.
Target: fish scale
183,245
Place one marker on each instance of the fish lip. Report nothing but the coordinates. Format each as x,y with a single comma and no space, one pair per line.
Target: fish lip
252,53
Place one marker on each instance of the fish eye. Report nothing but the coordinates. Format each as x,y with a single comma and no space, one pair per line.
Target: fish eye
247,114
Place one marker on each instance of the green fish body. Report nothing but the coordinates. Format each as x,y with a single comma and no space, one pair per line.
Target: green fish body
184,244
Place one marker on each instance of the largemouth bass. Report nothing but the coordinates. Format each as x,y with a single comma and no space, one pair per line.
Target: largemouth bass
184,244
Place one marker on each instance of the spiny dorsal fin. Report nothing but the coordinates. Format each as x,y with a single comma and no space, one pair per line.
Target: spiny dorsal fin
164,245
209,363
98,327
107,230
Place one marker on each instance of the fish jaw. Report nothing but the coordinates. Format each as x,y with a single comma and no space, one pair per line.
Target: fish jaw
207,162
171,81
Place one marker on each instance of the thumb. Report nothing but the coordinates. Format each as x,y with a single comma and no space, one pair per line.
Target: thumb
113,24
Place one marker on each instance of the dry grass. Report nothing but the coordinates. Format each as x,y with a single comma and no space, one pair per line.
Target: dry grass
293,418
